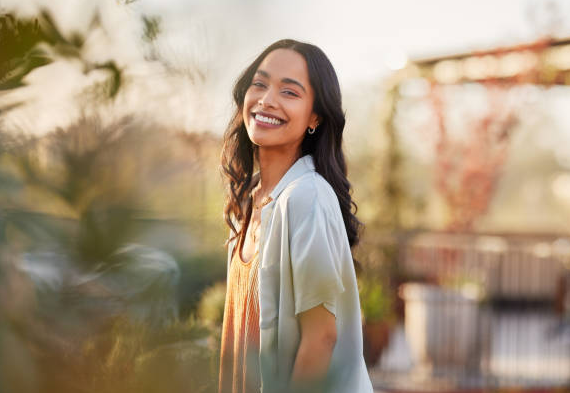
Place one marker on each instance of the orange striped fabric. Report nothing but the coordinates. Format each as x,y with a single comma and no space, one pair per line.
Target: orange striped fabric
239,357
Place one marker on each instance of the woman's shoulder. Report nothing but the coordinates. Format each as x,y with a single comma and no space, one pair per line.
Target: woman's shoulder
308,192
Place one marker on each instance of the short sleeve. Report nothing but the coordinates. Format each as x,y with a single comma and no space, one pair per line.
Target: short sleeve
315,245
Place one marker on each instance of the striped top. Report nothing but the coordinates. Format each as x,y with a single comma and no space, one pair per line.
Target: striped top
239,357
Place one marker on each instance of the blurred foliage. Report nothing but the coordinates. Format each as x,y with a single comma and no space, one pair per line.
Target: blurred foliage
120,356
198,273
210,311
151,28
211,306
104,177
89,189
73,199
376,301
18,54
29,43
389,211
76,197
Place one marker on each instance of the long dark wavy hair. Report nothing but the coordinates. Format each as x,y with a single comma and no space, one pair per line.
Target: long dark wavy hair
325,145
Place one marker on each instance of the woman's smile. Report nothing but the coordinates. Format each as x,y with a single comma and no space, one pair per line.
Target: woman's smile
266,120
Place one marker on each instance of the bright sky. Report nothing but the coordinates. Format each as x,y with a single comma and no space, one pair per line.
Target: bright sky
363,39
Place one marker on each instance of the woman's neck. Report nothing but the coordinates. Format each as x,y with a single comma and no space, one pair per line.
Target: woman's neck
273,164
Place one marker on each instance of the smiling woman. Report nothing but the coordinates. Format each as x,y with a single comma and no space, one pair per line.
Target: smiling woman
292,315
278,99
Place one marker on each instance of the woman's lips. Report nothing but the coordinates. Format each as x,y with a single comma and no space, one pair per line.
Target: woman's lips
265,125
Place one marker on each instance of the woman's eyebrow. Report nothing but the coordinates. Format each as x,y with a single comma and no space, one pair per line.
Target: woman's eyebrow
284,80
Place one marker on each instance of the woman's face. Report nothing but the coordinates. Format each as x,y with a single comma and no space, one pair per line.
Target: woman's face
278,105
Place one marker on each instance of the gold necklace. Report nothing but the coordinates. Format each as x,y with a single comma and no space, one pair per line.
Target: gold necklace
265,201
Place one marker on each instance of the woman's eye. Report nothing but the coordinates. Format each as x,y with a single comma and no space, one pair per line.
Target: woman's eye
258,84
290,93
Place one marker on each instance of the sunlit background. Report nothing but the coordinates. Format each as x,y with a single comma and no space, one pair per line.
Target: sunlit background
113,266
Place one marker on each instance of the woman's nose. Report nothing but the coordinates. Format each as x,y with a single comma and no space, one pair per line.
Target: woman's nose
267,98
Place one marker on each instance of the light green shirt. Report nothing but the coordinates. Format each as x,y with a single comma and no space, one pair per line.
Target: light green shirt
305,260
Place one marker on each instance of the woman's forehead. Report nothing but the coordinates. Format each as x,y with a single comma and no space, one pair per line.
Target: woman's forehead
285,63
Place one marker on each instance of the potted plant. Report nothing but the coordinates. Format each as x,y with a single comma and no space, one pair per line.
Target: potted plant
377,317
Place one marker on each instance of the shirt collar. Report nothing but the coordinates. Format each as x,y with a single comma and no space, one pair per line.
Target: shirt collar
299,168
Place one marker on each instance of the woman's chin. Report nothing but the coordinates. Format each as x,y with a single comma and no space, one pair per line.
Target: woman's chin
260,138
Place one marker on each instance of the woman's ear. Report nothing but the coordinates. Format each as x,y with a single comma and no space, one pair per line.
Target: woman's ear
319,119
315,120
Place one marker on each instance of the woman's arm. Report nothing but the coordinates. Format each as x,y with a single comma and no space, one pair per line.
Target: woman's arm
318,338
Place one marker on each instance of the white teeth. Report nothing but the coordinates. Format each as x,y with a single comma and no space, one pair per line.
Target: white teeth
265,119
